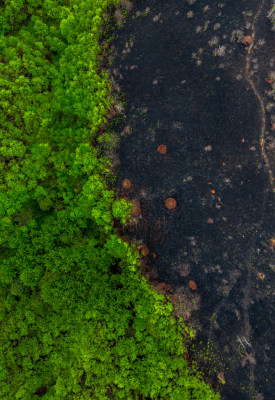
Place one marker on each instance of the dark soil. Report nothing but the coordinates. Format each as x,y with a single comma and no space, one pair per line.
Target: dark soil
203,108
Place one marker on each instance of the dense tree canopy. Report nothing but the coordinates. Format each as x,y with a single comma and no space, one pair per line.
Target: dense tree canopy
77,319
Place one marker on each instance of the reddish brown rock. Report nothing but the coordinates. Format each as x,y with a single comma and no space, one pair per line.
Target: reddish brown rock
170,203
162,149
192,285
126,184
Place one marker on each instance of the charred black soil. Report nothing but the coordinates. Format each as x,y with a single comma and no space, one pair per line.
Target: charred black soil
187,73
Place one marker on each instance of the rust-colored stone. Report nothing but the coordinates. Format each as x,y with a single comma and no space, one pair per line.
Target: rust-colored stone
170,203
126,184
162,149
192,285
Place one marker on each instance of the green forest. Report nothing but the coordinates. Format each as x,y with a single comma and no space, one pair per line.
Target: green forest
77,318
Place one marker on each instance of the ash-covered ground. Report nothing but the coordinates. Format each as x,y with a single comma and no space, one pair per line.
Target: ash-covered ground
196,76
